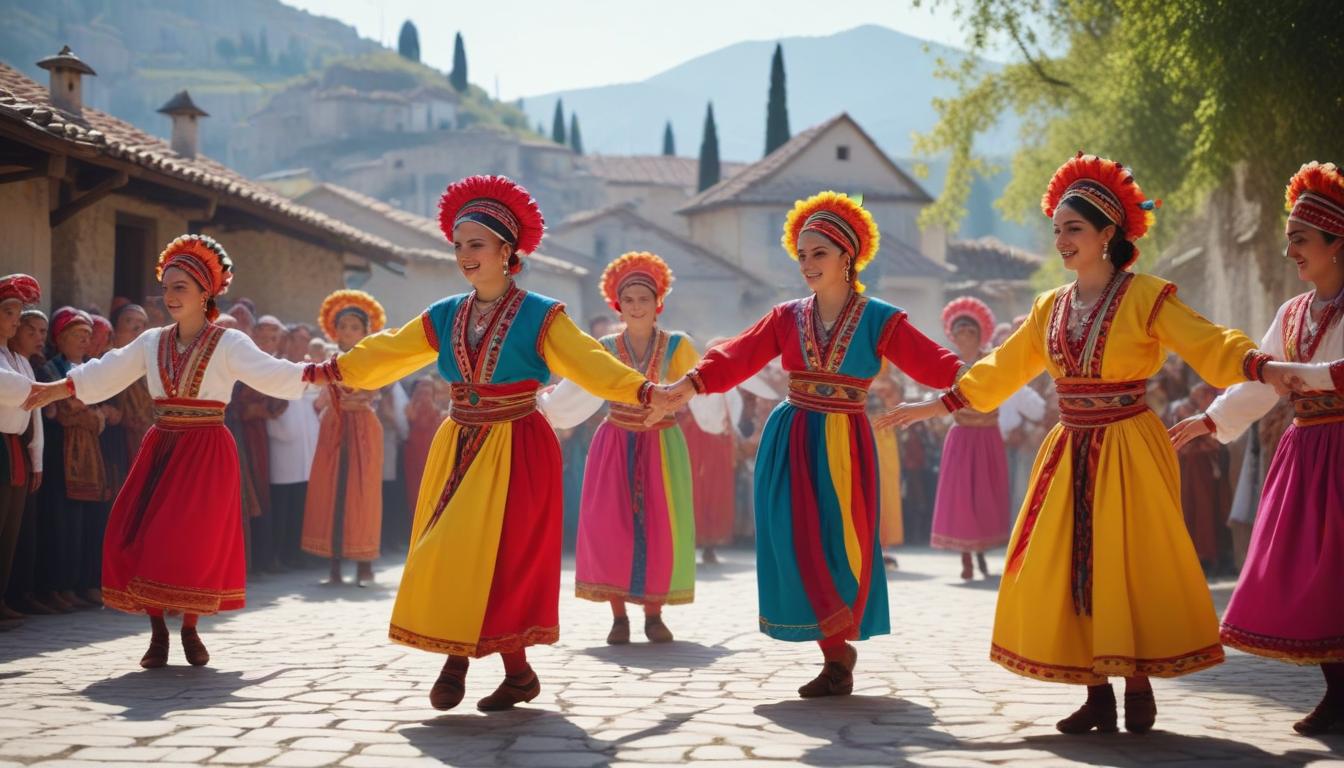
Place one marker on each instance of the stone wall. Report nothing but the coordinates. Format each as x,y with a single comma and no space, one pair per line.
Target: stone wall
27,238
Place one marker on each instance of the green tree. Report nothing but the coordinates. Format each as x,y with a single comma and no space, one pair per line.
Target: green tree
458,77
558,123
1186,93
226,49
408,42
541,128
669,143
777,107
575,139
709,153
263,51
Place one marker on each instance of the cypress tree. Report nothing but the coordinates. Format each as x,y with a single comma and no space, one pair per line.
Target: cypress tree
408,42
709,153
459,74
575,139
777,107
541,128
669,144
558,123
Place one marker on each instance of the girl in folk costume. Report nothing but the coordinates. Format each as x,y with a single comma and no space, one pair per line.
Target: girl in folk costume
970,512
1288,604
637,518
1101,579
174,540
20,465
78,486
817,495
344,511
483,572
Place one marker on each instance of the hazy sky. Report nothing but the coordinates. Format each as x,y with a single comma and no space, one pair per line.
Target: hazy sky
537,46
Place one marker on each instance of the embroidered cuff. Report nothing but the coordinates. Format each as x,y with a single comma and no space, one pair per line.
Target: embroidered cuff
693,376
70,386
1337,375
1210,424
646,393
330,368
1253,365
953,400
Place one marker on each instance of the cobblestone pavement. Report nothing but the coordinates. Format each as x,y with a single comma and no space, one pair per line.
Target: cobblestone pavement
305,677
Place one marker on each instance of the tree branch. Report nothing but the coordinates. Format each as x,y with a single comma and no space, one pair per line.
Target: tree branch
1032,60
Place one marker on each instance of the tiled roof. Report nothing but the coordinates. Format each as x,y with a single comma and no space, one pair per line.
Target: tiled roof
756,183
990,259
430,227
627,212
27,105
655,170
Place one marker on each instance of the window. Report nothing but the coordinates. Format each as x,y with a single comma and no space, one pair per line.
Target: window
842,152
133,258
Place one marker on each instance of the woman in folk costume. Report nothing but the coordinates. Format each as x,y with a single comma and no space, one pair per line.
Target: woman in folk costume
1101,579
970,512
483,572
174,540
344,509
20,465
1288,604
637,518
819,573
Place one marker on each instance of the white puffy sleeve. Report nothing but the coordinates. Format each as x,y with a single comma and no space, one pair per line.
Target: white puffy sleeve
567,405
268,375
1244,404
710,412
102,378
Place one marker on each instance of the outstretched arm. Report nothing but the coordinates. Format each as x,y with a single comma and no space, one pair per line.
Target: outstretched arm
382,358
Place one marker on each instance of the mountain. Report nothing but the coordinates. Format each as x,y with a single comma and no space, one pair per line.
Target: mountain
883,78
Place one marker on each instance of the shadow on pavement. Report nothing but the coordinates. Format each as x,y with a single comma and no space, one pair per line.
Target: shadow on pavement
1124,750
679,654
866,730
149,694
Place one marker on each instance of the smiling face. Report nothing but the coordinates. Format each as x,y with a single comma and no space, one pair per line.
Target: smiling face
639,307
350,329
481,255
182,297
966,338
1316,259
1078,241
821,262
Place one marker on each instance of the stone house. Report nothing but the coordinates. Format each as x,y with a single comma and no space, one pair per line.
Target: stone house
994,272
655,185
87,201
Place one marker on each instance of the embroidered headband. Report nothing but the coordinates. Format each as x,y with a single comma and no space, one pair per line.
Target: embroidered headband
1315,197
636,268
834,228
21,287
66,318
839,217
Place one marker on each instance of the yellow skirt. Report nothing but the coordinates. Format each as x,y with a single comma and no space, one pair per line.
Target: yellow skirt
891,531
1152,613
483,572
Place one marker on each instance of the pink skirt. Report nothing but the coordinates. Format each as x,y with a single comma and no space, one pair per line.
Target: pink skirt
1289,604
971,510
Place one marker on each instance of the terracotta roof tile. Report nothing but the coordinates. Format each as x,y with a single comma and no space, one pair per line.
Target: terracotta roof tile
657,170
989,258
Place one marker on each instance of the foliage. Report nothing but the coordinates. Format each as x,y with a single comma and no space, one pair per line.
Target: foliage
558,123
408,42
777,107
575,139
669,143
709,153
458,77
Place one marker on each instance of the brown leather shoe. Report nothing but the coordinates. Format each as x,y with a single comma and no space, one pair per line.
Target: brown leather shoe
197,655
1140,711
516,689
451,686
655,630
1327,717
834,680
620,631
157,655
1097,712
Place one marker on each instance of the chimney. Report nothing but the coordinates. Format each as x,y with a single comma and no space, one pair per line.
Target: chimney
67,71
186,136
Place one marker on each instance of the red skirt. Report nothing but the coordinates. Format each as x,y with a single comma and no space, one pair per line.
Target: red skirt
713,482
174,537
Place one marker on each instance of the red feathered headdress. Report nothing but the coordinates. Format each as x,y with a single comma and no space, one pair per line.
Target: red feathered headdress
1107,185
638,268
21,287
201,257
349,300
840,218
969,307
497,203
1315,197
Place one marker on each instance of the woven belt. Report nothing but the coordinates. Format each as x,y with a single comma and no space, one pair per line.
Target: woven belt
827,392
968,418
479,404
1317,408
187,414
631,418
1092,404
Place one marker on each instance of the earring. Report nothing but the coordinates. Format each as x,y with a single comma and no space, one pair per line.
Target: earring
847,268
1106,252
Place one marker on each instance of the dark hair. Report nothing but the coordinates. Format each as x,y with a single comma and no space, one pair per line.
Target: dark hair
1119,251
515,263
1329,238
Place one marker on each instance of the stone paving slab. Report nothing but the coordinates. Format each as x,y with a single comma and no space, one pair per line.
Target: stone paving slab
305,677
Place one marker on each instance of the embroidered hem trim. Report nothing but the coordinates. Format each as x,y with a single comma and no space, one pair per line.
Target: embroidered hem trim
322,548
484,647
141,594
602,593
1317,651
1107,666
939,541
